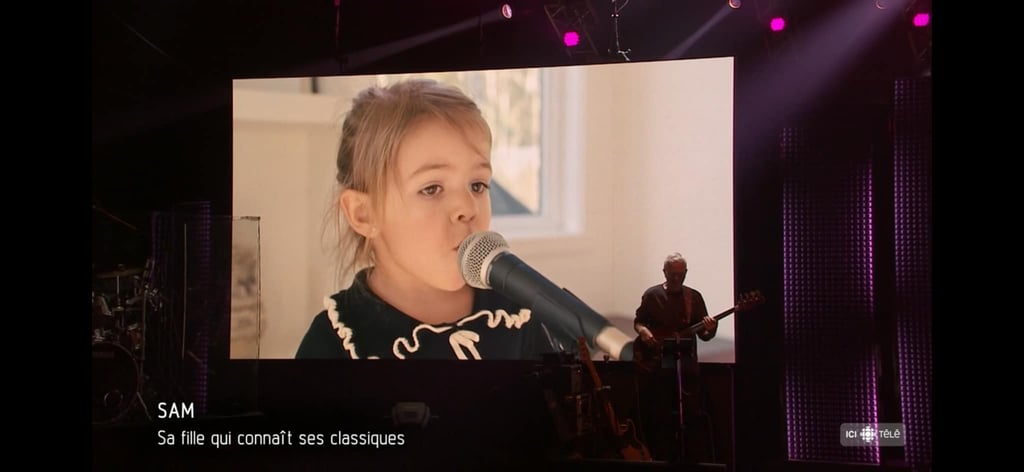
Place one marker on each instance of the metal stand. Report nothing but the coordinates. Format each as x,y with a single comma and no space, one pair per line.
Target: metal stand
681,392
615,24
679,347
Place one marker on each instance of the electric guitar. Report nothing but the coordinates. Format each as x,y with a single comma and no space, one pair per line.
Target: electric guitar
623,438
648,356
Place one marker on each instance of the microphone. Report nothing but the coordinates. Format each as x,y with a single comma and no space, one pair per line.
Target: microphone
487,263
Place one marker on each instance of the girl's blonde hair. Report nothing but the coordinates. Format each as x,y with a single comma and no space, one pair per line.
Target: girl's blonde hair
370,136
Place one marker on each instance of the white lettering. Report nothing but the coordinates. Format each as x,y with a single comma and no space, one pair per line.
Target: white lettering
176,410
164,438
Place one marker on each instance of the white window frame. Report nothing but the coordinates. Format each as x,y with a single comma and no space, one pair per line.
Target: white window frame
561,185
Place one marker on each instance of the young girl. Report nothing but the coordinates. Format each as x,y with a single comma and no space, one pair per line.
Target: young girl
414,171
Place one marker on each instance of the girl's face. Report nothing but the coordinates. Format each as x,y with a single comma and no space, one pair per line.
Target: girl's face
438,195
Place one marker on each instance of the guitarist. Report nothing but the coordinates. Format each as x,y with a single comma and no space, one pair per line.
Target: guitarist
666,310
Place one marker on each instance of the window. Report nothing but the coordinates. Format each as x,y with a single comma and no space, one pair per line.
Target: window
534,116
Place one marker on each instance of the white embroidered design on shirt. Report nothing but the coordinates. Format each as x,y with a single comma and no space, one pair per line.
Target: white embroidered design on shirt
495,318
415,340
463,341
343,332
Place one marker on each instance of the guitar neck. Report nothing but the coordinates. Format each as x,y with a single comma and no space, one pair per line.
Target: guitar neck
598,386
585,357
698,325
745,302
593,374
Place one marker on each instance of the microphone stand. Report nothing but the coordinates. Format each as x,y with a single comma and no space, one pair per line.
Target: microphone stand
677,345
679,384
615,25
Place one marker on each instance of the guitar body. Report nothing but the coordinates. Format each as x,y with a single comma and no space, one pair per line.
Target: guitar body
633,449
648,357
622,439
628,447
624,443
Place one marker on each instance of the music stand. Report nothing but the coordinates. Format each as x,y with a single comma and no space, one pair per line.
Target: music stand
679,348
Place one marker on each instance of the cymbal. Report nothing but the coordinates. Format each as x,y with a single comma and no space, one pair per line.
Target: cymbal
119,273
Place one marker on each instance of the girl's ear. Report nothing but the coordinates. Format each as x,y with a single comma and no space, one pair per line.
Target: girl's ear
358,211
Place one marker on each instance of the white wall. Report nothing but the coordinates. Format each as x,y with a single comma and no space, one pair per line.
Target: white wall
656,163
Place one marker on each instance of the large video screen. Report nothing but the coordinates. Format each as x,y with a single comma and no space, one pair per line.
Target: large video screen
597,173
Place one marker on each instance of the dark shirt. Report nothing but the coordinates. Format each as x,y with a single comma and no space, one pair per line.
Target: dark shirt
356,324
664,312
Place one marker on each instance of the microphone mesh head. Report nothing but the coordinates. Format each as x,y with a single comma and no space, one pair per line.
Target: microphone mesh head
476,254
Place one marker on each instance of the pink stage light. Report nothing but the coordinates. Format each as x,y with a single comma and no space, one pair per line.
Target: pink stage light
921,20
778,24
571,38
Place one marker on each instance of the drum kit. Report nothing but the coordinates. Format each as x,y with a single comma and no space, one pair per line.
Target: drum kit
119,304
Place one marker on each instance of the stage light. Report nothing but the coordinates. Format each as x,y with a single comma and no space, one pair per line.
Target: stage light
506,10
571,38
777,23
734,4
921,19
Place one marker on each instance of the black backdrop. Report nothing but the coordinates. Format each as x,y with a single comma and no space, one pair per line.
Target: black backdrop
162,124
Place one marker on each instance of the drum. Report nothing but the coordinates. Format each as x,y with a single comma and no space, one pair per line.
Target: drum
115,298
102,317
115,381
133,339
117,323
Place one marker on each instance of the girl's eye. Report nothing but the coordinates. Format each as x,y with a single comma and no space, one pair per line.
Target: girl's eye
480,187
431,190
